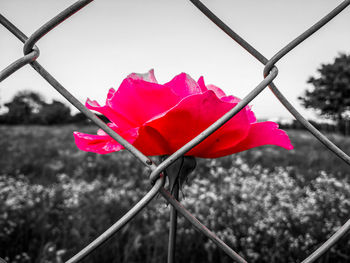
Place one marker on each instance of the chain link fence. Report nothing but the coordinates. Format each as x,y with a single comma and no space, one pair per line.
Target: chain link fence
157,178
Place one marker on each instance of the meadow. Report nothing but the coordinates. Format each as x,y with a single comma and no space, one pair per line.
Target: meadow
269,204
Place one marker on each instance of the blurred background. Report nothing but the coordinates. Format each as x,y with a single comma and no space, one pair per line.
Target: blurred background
269,204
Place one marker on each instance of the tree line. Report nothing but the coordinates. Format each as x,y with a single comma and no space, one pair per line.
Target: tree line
29,107
329,97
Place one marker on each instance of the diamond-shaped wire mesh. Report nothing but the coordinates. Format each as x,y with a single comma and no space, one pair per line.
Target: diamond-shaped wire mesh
31,53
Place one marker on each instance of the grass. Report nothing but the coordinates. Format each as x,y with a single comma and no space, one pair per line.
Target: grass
42,152
308,158
271,204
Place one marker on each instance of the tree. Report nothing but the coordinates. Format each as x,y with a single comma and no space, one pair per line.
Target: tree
24,107
330,96
54,113
28,107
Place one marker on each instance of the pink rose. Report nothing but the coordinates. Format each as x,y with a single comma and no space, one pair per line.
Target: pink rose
159,119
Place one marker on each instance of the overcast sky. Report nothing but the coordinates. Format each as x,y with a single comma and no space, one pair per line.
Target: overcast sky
99,46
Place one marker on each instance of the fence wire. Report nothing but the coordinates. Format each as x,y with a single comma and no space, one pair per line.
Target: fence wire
157,178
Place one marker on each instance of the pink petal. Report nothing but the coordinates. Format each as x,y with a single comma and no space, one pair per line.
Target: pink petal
219,92
193,115
141,101
231,99
201,84
250,113
110,125
150,142
260,133
149,76
183,86
112,115
103,144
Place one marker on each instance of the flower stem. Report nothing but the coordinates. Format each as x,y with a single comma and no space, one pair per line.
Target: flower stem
177,174
173,227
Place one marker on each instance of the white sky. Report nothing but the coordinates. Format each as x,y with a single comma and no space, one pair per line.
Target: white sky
99,46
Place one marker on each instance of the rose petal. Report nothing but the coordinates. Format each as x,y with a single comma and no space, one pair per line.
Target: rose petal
110,125
248,108
103,144
149,76
201,84
231,99
219,92
141,101
107,111
150,142
251,115
260,133
193,115
183,86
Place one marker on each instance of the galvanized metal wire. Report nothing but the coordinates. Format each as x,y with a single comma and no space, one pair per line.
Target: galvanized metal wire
157,178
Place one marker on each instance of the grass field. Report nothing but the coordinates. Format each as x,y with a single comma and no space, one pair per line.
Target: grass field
270,204
40,152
